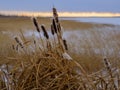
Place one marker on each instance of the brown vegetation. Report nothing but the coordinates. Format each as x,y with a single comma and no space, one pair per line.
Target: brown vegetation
45,64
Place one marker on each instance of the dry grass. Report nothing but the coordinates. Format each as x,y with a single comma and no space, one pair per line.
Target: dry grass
44,64
93,45
24,23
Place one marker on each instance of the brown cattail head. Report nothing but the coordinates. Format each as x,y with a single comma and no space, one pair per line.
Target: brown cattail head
16,39
52,30
45,32
36,24
34,41
65,44
55,14
54,25
59,27
19,41
107,63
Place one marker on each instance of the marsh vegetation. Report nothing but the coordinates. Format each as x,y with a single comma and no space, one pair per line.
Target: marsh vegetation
79,56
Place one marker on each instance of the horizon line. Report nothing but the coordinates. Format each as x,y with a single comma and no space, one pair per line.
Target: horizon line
61,14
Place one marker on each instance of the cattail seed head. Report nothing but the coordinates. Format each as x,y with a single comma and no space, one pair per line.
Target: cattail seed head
34,41
107,63
55,14
36,24
45,32
52,30
54,11
65,44
16,39
54,25
17,48
59,27
19,41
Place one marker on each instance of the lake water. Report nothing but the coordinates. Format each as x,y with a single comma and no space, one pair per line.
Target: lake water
115,21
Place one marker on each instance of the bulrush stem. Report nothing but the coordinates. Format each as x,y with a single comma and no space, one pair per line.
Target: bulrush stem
20,43
57,29
47,37
38,30
23,37
53,33
42,42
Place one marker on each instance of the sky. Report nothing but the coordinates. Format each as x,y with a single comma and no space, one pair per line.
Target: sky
61,5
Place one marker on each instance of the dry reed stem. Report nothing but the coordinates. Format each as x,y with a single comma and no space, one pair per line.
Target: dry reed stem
108,66
38,30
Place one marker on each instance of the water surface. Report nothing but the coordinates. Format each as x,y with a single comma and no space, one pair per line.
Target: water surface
115,21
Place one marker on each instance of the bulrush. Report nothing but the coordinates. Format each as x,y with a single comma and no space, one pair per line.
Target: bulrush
19,41
36,24
59,28
52,30
107,64
54,25
55,14
45,32
56,19
65,44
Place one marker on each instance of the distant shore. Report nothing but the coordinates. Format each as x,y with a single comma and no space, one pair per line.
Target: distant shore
25,23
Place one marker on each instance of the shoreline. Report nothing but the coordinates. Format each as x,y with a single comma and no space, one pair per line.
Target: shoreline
25,23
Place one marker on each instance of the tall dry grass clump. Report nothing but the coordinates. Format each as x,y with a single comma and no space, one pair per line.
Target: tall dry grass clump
48,67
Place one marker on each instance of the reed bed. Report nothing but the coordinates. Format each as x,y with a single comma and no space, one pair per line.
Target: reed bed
42,64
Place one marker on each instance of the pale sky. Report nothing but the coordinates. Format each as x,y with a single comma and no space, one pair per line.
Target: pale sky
61,5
